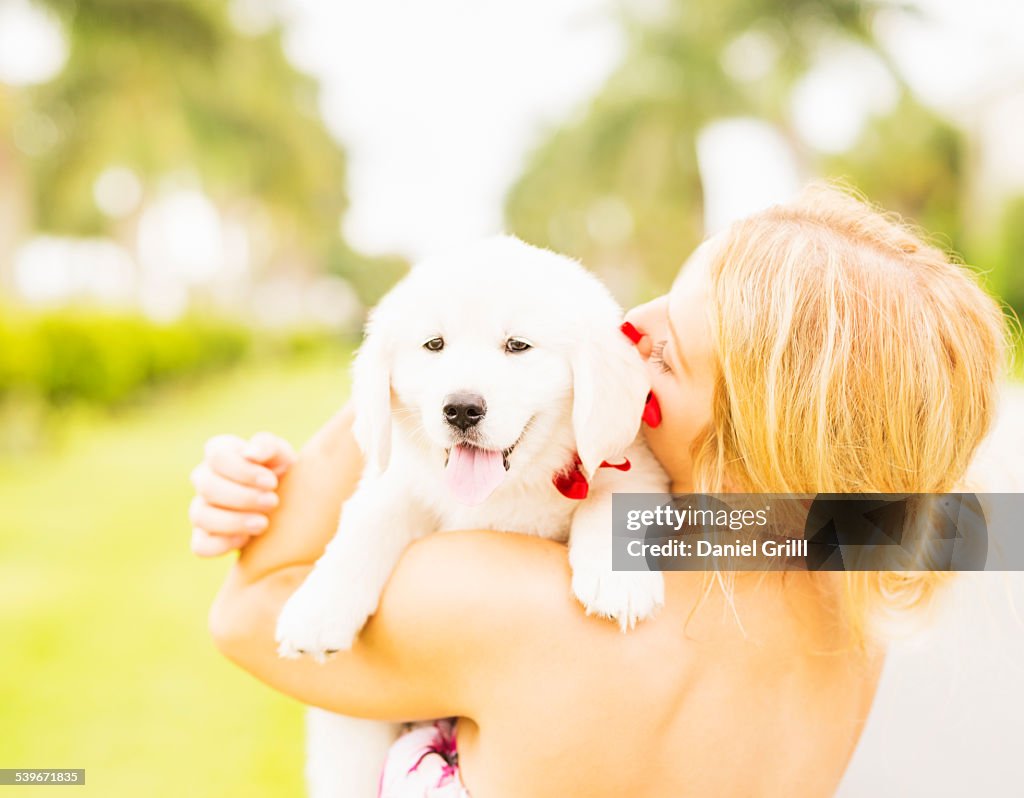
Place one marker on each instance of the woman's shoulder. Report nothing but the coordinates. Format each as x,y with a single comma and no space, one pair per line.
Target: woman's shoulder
510,591
490,576
506,601
480,581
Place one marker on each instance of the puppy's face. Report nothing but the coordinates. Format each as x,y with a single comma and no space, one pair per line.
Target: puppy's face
481,373
481,354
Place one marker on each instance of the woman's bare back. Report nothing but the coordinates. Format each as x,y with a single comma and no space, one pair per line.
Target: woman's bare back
681,706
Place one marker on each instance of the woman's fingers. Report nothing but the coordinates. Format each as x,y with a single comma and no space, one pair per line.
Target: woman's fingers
218,521
227,460
271,451
206,545
235,487
228,495
221,442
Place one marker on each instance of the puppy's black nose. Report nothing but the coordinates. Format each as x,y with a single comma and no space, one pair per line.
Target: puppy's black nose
464,410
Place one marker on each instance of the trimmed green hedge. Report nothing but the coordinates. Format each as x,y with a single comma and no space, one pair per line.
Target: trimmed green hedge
104,360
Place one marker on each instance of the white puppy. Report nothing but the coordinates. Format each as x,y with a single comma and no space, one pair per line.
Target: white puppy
491,386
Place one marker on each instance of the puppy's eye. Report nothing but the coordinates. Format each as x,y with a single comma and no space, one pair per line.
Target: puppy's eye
434,345
517,345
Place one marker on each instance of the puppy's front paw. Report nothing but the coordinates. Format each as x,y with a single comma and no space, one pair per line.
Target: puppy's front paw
624,596
314,621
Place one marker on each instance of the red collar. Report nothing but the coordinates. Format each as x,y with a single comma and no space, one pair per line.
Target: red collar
573,485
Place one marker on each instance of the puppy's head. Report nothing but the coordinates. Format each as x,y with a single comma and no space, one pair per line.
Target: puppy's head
476,350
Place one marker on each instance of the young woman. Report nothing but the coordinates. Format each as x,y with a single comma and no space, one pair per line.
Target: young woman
813,347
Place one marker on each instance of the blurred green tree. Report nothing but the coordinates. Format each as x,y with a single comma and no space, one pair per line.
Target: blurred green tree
629,162
1004,253
170,87
166,85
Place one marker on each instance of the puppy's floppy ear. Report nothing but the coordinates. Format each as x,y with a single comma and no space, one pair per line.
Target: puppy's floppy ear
610,388
371,395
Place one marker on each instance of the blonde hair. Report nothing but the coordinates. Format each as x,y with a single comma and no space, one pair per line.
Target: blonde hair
852,357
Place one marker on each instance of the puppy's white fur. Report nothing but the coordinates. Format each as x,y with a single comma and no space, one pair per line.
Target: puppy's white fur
580,389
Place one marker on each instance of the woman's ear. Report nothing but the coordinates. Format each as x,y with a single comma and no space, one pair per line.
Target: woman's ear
610,387
371,396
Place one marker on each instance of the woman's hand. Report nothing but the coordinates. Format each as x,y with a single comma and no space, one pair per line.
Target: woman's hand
236,486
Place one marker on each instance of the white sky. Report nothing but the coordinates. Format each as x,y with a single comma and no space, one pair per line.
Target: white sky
32,47
961,51
438,103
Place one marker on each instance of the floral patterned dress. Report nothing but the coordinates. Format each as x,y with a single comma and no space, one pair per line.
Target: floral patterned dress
423,763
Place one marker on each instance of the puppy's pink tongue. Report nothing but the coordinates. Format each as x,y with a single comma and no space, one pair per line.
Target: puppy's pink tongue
472,474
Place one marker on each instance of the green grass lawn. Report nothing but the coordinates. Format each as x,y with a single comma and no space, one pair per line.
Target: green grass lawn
105,660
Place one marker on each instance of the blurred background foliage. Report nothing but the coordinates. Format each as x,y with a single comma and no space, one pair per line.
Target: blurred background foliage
104,359
180,102
173,265
177,166
169,85
633,153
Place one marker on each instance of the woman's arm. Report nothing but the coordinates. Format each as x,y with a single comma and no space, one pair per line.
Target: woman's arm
455,616
311,495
